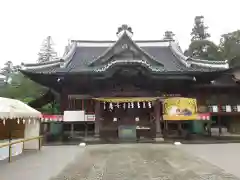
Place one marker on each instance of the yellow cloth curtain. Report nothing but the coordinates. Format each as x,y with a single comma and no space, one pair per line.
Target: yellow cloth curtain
180,109
126,99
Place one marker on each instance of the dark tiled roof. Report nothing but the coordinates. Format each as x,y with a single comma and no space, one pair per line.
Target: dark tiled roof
45,70
165,56
85,55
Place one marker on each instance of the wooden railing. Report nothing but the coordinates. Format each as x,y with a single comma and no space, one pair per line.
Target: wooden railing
9,145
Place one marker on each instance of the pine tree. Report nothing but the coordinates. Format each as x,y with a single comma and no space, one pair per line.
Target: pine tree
200,46
7,70
47,52
199,31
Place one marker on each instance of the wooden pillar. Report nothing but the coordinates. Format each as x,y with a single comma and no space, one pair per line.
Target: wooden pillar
219,101
72,130
63,101
166,128
158,118
219,126
179,128
62,108
82,105
86,130
97,118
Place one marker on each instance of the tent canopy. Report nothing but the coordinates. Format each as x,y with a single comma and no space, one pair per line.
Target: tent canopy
12,108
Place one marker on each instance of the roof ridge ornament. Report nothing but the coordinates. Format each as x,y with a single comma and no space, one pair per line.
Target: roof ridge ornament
124,29
169,35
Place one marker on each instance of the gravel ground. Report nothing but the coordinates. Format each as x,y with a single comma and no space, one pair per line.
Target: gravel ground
140,162
225,156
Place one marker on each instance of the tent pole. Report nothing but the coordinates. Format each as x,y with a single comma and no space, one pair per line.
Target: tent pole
9,140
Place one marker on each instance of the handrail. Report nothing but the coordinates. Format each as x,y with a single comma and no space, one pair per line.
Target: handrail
20,141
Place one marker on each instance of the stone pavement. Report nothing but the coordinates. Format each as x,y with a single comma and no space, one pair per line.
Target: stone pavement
140,162
225,156
39,165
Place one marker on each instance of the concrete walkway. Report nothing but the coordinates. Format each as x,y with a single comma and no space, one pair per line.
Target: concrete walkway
140,162
133,161
225,156
39,165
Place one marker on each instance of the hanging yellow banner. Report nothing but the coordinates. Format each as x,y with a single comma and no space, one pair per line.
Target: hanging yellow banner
180,109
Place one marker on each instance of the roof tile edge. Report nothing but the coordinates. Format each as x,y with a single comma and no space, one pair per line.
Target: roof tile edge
209,64
40,66
176,51
204,63
109,44
68,56
62,62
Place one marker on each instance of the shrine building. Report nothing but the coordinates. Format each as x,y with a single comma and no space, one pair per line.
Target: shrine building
123,84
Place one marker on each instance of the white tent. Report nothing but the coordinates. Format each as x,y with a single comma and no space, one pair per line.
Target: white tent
12,108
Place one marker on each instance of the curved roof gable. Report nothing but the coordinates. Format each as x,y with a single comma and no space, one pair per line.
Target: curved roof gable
98,56
125,45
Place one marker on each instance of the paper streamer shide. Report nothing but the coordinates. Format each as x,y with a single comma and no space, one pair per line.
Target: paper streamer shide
128,99
180,109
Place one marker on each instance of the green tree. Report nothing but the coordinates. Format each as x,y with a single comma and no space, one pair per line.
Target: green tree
47,52
51,108
21,88
204,49
230,47
7,70
200,46
27,91
199,31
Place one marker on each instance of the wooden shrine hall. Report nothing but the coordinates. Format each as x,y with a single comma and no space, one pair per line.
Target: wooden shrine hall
125,82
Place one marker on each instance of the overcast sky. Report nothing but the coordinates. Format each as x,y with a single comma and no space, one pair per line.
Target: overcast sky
25,23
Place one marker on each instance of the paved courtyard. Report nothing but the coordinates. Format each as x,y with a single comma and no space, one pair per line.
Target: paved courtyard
127,162
141,162
39,165
225,156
